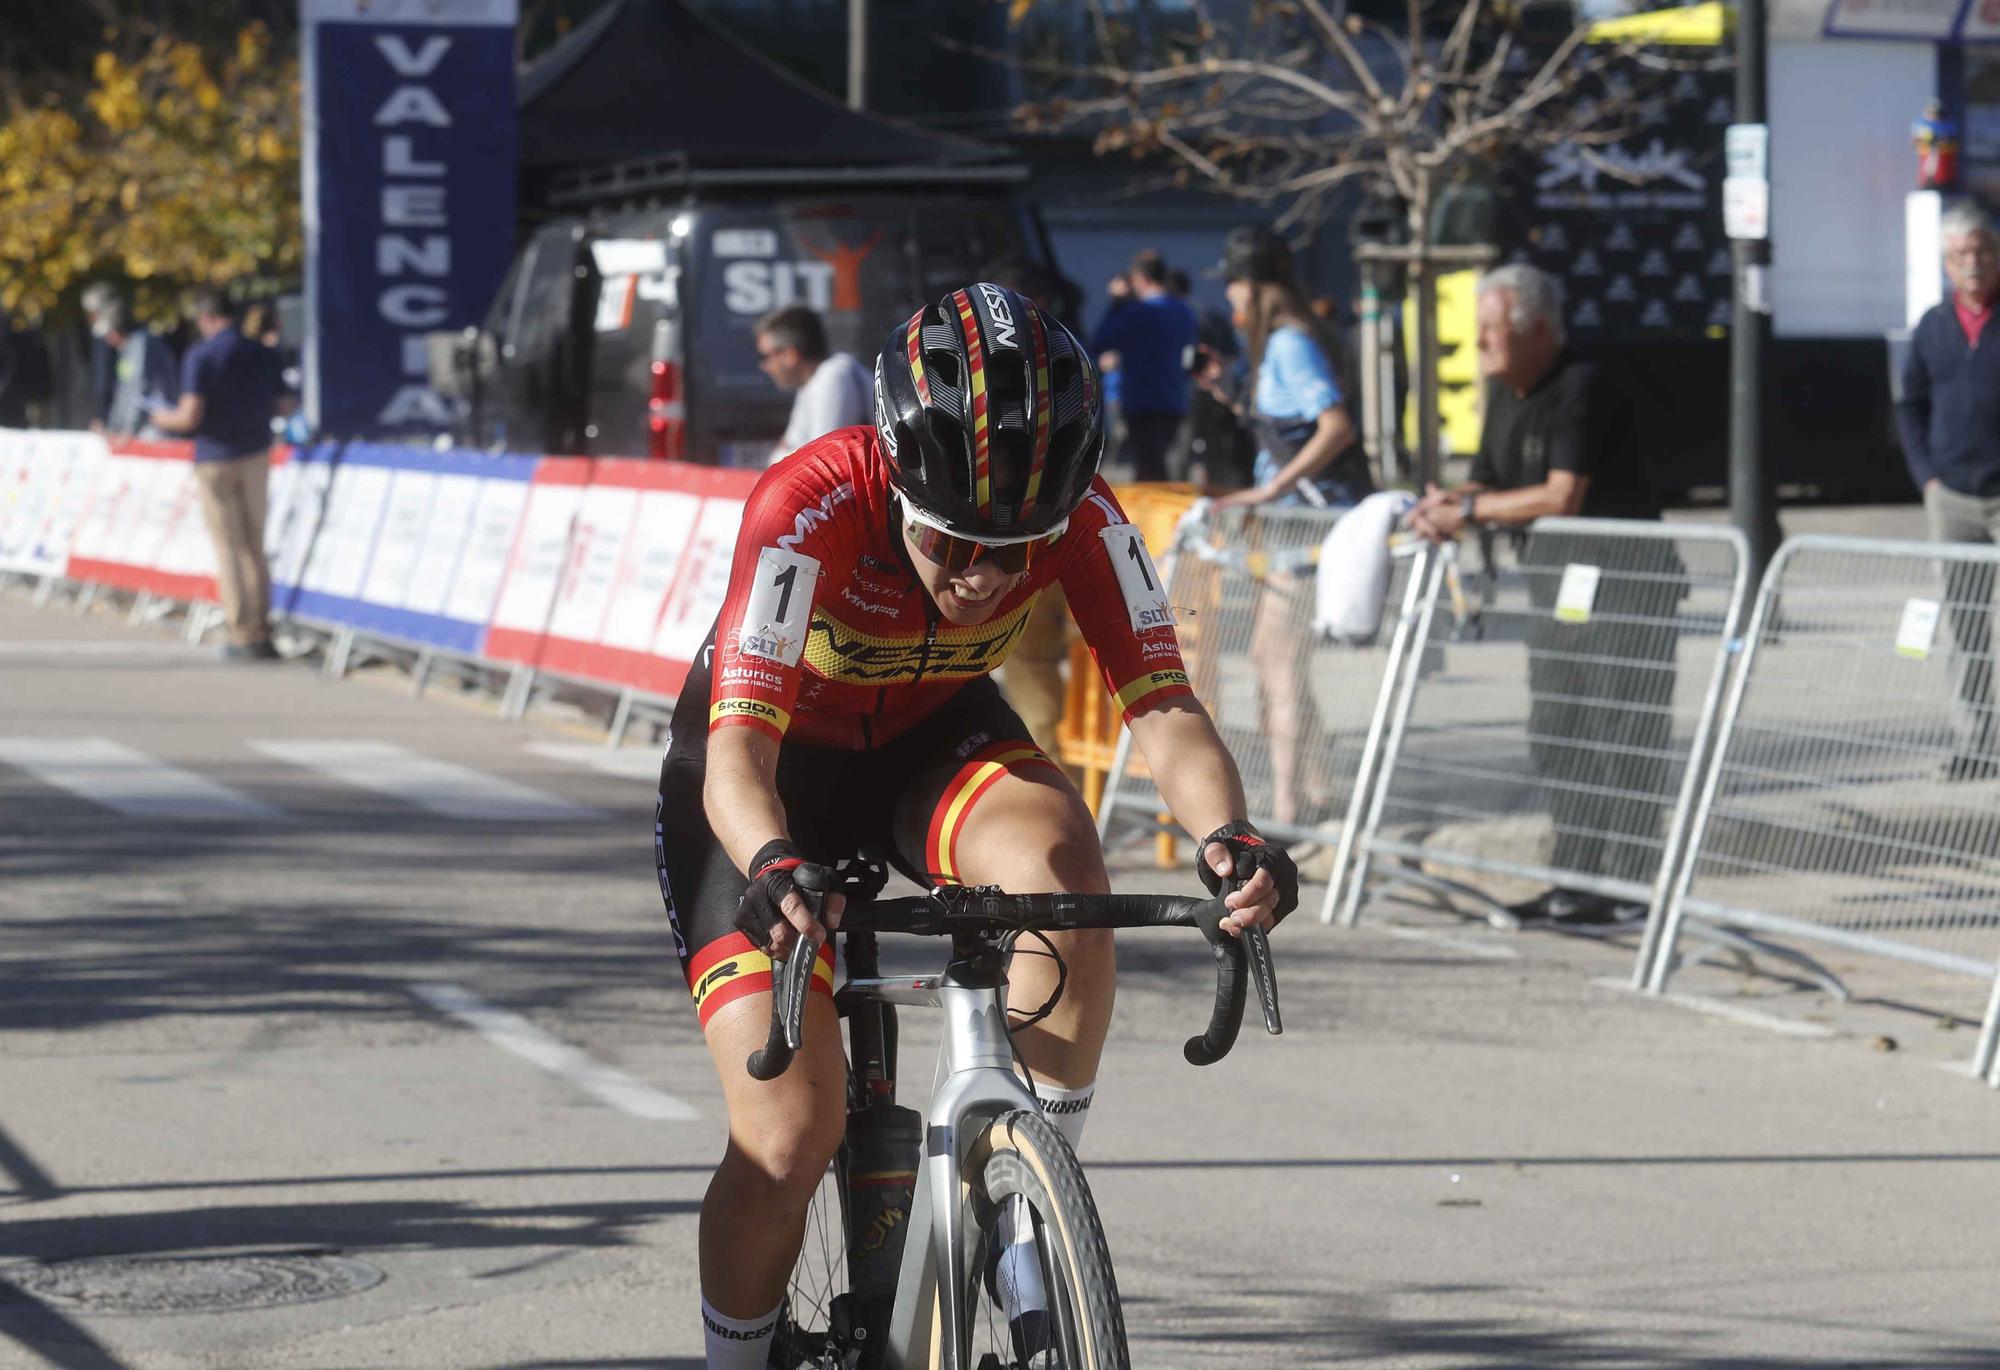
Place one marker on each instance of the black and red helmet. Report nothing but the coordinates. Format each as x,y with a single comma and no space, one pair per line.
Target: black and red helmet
990,413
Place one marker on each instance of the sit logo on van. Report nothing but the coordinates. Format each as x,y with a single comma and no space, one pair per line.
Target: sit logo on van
755,281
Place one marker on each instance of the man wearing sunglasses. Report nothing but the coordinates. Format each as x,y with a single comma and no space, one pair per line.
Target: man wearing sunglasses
844,703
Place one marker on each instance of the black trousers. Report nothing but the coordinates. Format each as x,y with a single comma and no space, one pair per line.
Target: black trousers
1600,717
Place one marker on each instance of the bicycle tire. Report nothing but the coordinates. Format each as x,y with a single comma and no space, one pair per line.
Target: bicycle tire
806,1339
1023,1154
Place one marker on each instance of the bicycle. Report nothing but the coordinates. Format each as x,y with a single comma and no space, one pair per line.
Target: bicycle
864,1295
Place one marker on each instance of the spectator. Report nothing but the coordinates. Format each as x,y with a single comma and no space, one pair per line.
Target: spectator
143,377
833,391
23,373
1949,415
1559,439
97,299
229,392
1306,456
1144,341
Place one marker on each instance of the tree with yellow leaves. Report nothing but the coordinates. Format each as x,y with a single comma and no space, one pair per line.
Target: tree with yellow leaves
179,167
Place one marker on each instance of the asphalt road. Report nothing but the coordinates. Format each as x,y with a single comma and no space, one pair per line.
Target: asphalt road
307,985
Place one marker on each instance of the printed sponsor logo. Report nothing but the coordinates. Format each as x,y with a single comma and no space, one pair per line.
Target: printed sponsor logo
869,606
728,970
880,1228
1155,618
742,673
748,708
846,654
767,644
1002,316
813,516
755,1334
973,744
1158,645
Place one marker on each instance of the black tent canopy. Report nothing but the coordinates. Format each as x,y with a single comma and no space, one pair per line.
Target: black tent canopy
646,94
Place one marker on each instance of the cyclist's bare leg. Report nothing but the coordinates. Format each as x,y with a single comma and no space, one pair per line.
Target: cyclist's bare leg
782,1133
1030,833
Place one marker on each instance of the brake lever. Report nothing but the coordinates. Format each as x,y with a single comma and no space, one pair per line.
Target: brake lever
1226,1018
790,979
1264,975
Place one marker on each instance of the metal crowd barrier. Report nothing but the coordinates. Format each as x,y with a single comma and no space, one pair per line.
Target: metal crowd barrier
1301,716
1560,735
1855,795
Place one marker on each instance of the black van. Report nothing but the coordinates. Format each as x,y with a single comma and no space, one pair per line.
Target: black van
630,333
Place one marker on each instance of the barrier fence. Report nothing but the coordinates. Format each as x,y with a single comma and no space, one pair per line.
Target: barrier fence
1855,796
603,570
1557,737
1296,711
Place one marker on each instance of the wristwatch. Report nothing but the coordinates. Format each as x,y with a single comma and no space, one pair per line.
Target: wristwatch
1465,507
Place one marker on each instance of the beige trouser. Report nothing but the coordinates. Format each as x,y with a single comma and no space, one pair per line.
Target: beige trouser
1032,678
232,504
1954,517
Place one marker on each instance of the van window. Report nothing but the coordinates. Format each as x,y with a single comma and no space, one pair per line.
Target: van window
542,312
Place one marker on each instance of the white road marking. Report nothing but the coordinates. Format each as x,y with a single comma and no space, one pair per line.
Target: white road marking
130,782
37,647
513,1033
633,763
438,786
1492,951
1734,1013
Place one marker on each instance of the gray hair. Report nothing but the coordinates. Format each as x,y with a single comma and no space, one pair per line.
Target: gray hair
1537,296
1966,220
101,297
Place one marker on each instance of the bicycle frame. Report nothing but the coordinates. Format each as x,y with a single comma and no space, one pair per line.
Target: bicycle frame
976,1066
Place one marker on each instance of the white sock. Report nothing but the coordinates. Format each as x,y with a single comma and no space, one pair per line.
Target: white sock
737,1343
1068,1109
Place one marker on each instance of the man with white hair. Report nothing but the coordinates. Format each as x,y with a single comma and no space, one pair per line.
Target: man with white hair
1557,439
1949,415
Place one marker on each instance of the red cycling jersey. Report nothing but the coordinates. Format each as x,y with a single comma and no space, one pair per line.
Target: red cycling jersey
828,636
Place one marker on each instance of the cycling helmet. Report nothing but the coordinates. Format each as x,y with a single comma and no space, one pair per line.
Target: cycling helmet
990,413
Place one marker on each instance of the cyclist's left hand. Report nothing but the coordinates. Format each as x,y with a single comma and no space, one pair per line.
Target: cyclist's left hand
1270,892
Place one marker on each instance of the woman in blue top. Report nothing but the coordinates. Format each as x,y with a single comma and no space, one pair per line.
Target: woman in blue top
1308,457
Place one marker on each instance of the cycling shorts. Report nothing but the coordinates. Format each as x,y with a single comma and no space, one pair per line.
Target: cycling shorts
838,803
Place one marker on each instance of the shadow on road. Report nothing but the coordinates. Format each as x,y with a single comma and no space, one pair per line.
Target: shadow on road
359,1228
1339,1336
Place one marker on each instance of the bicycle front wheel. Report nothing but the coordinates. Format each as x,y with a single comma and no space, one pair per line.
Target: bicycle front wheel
1020,1165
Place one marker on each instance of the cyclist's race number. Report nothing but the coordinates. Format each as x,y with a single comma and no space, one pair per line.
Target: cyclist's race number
774,620
1138,578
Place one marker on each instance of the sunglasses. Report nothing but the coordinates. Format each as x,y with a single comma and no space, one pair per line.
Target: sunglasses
1012,556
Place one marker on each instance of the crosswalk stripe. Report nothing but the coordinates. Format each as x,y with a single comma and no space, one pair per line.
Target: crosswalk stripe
128,781
35,647
635,763
437,786
513,1033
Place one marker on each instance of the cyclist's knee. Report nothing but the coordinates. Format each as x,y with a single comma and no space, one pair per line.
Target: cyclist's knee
781,1159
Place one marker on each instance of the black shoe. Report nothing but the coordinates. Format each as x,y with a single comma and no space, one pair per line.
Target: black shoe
247,651
1535,910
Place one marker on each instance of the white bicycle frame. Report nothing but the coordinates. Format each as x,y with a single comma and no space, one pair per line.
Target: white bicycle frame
978,1084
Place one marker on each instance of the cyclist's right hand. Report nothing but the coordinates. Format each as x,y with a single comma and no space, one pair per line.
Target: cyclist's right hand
773,912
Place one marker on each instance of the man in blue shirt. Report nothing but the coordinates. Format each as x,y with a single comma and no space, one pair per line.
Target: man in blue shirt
229,393
1144,340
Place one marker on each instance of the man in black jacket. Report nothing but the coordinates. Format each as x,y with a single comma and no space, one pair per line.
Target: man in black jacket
1950,420
1558,439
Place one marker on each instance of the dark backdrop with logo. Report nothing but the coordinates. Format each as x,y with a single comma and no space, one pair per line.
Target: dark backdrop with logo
1634,232
410,198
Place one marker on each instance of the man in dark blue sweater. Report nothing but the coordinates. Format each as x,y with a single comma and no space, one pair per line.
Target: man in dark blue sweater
1950,420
